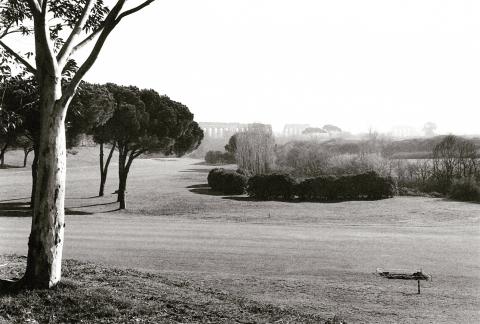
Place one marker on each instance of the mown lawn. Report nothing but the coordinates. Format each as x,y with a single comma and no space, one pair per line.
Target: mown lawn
299,261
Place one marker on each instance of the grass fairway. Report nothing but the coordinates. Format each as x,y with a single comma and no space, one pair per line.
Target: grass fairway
312,260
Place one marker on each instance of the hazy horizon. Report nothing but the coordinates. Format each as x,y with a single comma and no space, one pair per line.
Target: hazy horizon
359,65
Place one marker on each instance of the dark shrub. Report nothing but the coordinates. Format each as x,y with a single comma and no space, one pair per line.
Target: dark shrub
319,188
218,157
465,189
271,187
244,172
227,181
362,186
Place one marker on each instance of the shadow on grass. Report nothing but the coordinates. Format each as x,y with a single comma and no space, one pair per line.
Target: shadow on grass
71,212
195,171
94,205
201,185
14,199
15,209
446,199
72,198
206,191
8,166
22,209
237,198
292,201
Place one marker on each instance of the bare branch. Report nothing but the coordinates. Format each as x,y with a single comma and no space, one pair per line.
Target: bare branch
66,49
19,58
133,10
109,24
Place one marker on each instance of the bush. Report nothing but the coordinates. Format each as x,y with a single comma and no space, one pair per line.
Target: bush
362,186
229,182
465,189
271,187
244,172
218,157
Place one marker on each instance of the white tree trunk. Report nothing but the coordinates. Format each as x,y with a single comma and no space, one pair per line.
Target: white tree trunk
46,237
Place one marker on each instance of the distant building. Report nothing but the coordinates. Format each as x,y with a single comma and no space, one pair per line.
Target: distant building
404,132
226,130
294,129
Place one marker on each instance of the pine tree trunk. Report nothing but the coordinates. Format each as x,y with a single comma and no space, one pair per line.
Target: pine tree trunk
2,155
45,243
102,175
104,168
25,157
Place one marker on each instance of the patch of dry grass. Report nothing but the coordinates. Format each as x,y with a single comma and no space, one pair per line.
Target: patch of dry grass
91,293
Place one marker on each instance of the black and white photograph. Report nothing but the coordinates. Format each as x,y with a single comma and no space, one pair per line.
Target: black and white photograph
239,161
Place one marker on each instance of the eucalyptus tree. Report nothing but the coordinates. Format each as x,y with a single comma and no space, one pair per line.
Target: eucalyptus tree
59,28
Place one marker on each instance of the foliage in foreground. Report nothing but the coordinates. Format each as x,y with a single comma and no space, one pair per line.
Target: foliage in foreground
90,293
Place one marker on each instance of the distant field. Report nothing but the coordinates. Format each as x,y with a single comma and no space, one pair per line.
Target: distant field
317,258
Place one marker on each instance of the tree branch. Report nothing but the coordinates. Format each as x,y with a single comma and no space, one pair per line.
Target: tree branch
7,30
19,58
67,47
34,6
133,10
86,40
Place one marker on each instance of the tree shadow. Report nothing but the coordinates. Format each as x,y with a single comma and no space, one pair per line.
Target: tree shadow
22,209
446,199
206,191
195,171
201,185
241,198
71,198
14,199
94,205
71,212
15,209
9,166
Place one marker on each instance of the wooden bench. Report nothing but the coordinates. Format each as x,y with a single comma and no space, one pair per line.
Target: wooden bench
404,275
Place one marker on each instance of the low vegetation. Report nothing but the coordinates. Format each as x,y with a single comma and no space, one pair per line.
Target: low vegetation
351,187
219,158
229,182
465,189
272,186
92,293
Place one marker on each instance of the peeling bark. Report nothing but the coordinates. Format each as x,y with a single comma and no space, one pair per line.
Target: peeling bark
45,243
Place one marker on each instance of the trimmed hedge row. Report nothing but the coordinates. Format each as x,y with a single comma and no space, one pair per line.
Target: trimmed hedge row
351,187
282,186
229,182
271,187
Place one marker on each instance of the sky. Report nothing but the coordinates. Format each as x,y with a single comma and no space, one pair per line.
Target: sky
369,64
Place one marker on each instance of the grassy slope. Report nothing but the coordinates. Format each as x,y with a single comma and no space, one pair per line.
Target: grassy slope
306,257
91,293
